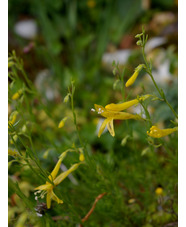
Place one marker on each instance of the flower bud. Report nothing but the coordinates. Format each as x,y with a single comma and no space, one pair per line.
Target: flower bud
62,122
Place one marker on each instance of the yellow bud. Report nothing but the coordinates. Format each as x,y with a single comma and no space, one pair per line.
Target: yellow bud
62,122
132,79
159,191
81,157
17,94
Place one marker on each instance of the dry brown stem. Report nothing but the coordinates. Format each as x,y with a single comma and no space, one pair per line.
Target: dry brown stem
92,208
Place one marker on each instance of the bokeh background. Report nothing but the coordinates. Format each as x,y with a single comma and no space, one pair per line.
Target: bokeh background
64,40
80,39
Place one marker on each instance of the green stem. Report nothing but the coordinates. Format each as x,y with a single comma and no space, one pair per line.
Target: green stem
75,122
74,116
34,157
123,85
26,160
148,70
147,114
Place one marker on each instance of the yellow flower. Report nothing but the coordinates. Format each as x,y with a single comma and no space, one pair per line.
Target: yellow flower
132,79
158,133
110,116
159,191
48,187
112,112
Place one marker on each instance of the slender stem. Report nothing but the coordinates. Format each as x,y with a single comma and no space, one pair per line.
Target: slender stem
75,122
123,85
148,70
34,157
175,114
26,160
74,116
147,114
162,95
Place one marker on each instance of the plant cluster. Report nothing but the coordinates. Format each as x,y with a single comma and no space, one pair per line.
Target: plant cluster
129,179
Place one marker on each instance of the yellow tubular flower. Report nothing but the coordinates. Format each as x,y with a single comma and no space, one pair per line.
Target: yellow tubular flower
111,115
158,133
125,105
48,187
63,175
132,79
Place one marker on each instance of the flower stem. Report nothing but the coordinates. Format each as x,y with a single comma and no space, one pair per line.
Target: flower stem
148,70
74,115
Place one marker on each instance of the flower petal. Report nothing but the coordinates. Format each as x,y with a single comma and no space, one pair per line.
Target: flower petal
55,170
48,198
54,197
63,175
103,127
125,105
124,116
44,187
113,114
110,127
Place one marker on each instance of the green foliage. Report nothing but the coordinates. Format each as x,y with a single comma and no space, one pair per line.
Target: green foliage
121,174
